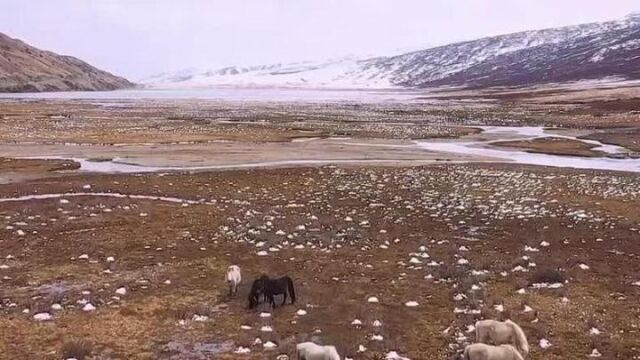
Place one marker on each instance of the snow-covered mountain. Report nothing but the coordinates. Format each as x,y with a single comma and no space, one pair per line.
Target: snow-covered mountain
339,73
573,53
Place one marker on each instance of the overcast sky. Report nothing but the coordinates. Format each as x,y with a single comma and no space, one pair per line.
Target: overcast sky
136,38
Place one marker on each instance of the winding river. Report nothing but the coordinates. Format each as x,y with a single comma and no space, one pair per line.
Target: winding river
474,148
483,148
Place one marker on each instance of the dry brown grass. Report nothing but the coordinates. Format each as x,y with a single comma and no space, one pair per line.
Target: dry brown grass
141,324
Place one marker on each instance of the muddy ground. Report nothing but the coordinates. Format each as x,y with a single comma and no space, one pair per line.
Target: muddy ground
551,145
628,138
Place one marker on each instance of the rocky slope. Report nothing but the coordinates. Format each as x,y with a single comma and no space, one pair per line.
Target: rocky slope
24,68
573,53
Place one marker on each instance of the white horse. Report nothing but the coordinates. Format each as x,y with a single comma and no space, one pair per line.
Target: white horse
502,332
311,351
489,352
233,279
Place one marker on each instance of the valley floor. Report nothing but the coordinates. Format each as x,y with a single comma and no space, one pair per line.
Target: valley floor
131,265
463,241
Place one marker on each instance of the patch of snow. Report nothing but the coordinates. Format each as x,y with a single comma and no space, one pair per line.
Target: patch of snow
200,318
547,285
242,350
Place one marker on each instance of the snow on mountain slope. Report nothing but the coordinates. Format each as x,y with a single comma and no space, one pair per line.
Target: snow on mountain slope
343,73
581,52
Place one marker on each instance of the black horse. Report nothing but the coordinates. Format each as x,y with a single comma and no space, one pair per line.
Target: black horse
268,288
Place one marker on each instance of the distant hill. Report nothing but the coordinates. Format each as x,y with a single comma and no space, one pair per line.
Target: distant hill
583,52
24,68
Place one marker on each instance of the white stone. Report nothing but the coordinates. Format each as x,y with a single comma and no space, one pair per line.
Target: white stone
392,355
270,345
545,344
42,317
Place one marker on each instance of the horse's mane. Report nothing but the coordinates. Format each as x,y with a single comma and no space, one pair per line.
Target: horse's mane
521,338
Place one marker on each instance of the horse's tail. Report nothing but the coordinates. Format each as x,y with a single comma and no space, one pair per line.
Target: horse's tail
521,338
292,291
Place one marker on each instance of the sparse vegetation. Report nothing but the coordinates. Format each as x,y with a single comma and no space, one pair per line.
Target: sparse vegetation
437,247
79,350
